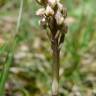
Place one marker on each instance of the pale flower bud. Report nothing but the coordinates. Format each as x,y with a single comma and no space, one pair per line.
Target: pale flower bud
52,3
40,12
43,23
59,18
49,11
62,9
60,6
61,21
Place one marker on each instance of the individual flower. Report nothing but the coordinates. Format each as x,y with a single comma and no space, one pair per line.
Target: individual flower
49,11
59,18
40,12
43,23
52,3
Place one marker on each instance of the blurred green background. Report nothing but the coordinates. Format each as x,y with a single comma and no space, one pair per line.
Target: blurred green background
31,64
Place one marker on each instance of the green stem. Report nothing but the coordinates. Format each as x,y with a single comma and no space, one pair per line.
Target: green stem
55,67
5,74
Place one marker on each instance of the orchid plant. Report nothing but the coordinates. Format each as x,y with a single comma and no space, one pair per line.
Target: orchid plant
53,15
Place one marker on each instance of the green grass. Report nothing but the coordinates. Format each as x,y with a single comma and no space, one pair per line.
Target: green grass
10,54
33,72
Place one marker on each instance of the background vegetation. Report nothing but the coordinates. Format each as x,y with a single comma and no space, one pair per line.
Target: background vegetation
28,53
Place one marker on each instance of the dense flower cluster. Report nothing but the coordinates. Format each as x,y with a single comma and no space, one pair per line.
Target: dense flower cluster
53,15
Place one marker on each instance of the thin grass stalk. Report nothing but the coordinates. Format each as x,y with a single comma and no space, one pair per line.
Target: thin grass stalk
9,58
5,72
